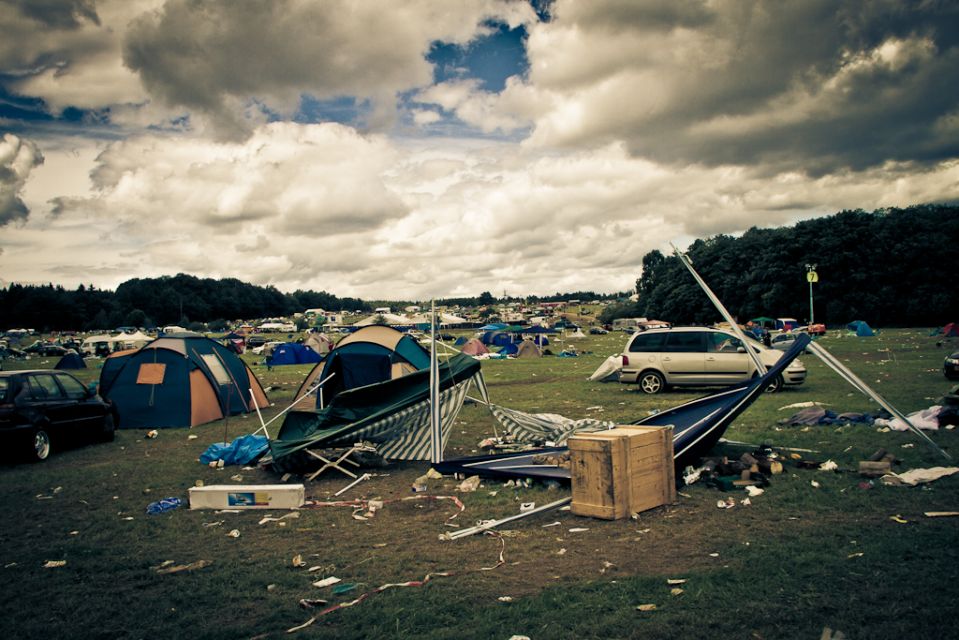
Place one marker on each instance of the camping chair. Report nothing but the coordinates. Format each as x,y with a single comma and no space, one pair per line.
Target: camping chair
342,457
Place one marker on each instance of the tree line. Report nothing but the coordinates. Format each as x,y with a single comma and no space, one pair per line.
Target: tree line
889,267
147,302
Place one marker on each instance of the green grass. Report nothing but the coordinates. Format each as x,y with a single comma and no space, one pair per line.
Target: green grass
786,566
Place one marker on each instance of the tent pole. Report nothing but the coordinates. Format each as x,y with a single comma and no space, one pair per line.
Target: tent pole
760,367
856,382
436,432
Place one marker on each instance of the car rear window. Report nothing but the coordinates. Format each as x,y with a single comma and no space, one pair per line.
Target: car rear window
645,342
44,387
685,342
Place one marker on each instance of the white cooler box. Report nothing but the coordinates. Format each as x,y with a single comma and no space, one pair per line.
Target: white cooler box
260,496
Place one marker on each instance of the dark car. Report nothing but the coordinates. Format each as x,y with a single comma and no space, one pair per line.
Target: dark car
950,366
46,349
43,409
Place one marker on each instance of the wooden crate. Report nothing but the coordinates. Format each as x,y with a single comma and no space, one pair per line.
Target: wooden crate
622,471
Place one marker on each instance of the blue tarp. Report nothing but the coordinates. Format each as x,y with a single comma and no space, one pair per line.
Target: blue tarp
860,328
243,450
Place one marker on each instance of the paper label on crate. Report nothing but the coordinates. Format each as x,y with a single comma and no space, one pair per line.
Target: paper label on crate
248,499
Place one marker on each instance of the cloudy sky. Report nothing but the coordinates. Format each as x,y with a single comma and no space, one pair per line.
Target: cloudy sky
421,148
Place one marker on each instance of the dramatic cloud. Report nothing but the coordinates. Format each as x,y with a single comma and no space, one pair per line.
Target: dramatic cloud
236,66
814,86
17,158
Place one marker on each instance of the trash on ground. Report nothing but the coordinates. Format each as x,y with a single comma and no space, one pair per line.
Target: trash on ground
262,496
941,514
646,607
166,504
235,533
327,582
53,564
470,484
918,476
180,568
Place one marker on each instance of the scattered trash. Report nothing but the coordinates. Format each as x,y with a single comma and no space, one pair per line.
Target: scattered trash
858,554
213,524
192,436
327,582
814,484
340,589
898,518
578,529
646,607
527,506
829,634
728,503
234,533
236,478
53,564
941,514
607,565
676,591
675,581
470,484
165,569
292,514
166,504
552,524
561,552
311,603
918,476
505,598
151,434
754,491
828,465
298,561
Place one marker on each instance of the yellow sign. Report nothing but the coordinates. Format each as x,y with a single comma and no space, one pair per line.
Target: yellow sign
812,276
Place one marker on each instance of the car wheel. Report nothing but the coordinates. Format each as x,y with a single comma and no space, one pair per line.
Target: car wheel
41,446
777,385
109,428
651,382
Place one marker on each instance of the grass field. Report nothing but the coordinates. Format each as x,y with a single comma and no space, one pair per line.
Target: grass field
798,559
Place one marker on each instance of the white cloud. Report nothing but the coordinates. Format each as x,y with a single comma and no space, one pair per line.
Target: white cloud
17,159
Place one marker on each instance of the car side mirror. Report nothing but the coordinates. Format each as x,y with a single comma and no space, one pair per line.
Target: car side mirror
91,389
740,349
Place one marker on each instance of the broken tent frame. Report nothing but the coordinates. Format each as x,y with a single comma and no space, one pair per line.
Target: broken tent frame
697,427
828,359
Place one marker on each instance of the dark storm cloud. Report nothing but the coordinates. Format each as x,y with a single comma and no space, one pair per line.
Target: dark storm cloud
817,85
56,14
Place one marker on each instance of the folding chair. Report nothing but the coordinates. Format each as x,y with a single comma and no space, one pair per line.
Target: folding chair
343,458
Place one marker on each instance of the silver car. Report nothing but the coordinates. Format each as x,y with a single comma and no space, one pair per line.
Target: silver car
697,356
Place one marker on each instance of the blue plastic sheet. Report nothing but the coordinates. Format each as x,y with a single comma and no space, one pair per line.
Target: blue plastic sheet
243,450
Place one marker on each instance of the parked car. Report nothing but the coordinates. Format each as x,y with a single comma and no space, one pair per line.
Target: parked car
950,366
43,410
697,356
46,349
784,341
598,331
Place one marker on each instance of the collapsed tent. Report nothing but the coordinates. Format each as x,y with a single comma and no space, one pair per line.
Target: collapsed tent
292,353
697,427
178,381
367,356
393,414
609,370
951,330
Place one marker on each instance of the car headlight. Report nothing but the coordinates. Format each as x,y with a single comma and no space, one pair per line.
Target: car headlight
952,360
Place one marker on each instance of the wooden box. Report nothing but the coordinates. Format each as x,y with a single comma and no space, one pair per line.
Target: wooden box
622,471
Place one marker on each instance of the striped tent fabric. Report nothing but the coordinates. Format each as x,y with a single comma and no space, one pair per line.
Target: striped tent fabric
537,428
405,435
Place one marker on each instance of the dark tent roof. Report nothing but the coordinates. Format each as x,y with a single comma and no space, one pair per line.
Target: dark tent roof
71,360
